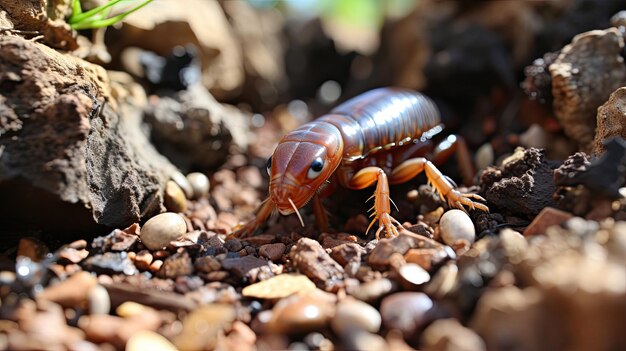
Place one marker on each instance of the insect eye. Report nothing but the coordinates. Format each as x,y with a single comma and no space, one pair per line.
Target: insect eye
268,166
316,168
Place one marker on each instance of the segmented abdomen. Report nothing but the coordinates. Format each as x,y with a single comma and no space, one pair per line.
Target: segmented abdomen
383,118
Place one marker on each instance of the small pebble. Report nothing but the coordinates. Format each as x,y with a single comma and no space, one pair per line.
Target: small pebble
161,229
455,226
99,300
175,200
272,252
449,334
413,275
302,313
279,286
199,184
406,311
443,282
149,340
71,292
374,290
354,315
484,156
183,183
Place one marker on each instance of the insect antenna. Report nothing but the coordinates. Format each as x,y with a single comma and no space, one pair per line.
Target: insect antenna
297,212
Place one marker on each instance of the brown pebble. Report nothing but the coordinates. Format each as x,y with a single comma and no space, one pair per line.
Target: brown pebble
449,334
143,260
149,340
176,265
259,240
207,264
426,258
380,255
71,292
309,258
175,199
272,252
354,315
240,266
202,327
302,313
407,312
156,265
549,216
347,252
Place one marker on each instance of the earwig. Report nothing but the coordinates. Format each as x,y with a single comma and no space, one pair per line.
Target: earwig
379,137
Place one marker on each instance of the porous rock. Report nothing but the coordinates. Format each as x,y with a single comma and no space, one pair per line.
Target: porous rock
65,144
522,185
584,74
611,120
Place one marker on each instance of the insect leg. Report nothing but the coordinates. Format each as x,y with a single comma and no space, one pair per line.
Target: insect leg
382,204
321,216
249,228
452,145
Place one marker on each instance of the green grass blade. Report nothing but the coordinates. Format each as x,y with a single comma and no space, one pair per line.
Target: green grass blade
99,23
85,15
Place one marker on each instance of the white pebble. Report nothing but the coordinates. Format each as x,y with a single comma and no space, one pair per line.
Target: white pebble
199,183
455,226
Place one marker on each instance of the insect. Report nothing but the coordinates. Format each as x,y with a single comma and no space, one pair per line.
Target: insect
379,137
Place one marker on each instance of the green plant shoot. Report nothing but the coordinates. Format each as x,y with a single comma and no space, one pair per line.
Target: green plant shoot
98,17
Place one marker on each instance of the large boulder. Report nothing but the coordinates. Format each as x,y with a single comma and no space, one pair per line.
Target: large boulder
68,141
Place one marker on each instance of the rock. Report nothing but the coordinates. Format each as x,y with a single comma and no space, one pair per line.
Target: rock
347,252
584,74
71,151
272,252
175,200
443,282
143,260
373,290
207,264
456,226
99,300
241,266
112,329
199,184
361,340
280,286
195,131
538,82
149,340
161,229
310,259
157,299
43,325
413,275
379,257
110,263
535,136
504,316
301,313
449,335
485,156
408,312
176,265
522,185
354,315
549,216
117,240
427,258
202,327
184,183
72,292
603,176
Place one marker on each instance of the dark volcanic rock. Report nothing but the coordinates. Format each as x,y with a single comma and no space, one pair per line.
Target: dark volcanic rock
61,131
522,185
